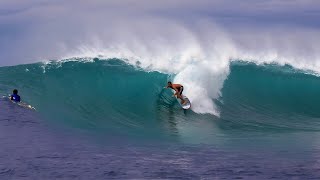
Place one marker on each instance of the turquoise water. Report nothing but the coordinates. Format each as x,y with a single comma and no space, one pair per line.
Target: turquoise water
113,98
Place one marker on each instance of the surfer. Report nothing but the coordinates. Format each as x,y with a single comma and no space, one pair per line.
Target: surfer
178,88
14,96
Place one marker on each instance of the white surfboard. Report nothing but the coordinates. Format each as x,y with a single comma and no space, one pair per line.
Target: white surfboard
28,106
187,103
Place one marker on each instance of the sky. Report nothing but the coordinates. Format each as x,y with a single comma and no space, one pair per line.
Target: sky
38,30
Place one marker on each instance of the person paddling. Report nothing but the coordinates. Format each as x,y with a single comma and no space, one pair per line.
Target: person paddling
14,96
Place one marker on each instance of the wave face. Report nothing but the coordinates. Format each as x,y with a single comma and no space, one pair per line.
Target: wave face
270,97
113,97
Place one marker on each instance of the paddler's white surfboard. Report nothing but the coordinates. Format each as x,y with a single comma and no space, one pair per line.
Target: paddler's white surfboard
187,103
26,105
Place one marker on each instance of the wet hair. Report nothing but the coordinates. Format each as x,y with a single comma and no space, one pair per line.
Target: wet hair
15,91
169,82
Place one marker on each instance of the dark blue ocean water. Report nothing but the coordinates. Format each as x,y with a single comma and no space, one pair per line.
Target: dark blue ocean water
268,126
34,149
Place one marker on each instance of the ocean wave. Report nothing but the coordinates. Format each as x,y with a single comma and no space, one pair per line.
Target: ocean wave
114,96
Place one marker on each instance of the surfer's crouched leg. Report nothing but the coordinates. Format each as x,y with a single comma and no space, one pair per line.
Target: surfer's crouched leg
182,100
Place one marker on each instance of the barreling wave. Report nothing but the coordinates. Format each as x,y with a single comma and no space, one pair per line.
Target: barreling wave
115,97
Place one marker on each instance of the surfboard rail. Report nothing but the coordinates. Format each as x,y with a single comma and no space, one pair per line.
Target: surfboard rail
187,103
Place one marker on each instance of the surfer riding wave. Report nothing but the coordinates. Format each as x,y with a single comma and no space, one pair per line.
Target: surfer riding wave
178,91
